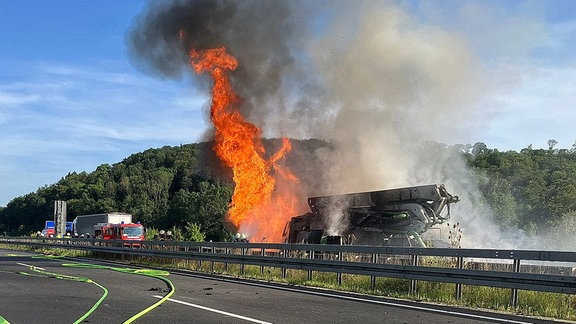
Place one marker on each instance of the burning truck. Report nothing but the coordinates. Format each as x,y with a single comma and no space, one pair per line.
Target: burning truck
396,217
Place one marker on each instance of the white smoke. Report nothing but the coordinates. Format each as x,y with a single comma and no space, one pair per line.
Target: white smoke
373,78
392,86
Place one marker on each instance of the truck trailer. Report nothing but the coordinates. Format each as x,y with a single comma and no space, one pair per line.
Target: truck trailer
395,217
108,226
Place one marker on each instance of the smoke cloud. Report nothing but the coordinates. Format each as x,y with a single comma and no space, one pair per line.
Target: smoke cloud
376,82
258,33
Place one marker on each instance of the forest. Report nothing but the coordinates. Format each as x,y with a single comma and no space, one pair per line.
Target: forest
185,189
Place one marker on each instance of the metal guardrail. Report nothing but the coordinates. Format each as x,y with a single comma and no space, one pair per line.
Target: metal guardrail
458,266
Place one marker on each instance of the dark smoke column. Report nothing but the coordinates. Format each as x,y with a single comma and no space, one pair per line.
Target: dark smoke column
257,33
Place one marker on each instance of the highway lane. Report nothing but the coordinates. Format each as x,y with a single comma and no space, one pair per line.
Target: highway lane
52,293
60,293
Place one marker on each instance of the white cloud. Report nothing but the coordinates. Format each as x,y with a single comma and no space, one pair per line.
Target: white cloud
540,105
14,99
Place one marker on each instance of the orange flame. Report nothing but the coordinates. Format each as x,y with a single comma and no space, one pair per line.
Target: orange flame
257,206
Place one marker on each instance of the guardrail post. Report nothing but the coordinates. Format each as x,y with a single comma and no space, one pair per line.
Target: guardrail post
242,264
226,251
373,259
514,292
339,274
262,253
459,265
174,260
414,282
199,261
213,251
283,269
311,257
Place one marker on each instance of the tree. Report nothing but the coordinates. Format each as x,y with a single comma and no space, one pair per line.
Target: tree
479,148
206,207
193,232
498,194
551,144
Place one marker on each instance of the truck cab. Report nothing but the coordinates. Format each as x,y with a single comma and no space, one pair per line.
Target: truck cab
127,232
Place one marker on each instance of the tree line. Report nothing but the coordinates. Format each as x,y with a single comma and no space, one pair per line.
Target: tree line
533,190
184,188
162,188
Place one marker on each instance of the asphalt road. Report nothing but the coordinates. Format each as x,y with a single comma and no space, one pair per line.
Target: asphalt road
43,290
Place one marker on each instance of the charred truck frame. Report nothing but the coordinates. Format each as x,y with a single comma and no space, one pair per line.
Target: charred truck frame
387,217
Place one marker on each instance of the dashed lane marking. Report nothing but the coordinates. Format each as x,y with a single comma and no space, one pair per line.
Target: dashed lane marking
249,319
30,266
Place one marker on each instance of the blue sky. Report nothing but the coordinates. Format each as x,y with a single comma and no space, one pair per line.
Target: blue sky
70,99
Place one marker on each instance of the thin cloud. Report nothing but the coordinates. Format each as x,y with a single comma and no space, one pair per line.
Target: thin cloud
15,99
541,95
59,118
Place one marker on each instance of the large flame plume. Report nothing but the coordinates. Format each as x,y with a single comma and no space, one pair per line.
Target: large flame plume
256,207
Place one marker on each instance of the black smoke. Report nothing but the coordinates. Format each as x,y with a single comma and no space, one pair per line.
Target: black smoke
260,34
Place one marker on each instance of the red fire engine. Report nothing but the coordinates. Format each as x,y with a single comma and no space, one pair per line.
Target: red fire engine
125,232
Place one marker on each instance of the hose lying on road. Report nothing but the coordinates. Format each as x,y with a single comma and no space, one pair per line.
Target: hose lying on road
158,274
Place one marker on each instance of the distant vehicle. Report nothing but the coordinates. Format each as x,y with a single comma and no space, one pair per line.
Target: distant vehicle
108,226
122,231
50,229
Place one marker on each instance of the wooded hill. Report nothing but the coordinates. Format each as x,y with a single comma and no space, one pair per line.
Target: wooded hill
177,187
183,187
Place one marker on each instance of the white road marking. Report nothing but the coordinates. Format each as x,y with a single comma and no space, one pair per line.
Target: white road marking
423,308
249,319
30,266
380,302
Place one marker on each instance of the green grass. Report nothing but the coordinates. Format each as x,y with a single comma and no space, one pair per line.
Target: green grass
50,251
